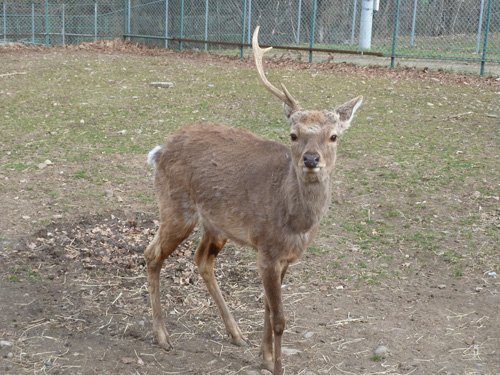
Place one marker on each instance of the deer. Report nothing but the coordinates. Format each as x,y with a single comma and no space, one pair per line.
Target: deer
253,191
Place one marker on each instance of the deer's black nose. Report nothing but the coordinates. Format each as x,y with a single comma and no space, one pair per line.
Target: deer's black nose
311,159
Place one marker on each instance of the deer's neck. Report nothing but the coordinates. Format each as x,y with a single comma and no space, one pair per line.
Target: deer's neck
306,202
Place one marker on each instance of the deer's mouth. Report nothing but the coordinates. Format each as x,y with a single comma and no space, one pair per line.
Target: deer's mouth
311,170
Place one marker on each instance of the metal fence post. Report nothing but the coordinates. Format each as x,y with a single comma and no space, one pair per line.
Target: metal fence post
413,23
249,30
166,23
313,29
129,11
395,33
486,31
479,27
299,16
62,28
47,25
206,24
4,22
95,22
354,14
33,23
182,24
243,19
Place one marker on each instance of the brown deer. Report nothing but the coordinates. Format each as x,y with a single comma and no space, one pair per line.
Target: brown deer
252,191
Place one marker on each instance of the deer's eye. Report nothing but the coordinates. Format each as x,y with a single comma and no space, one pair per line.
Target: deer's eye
293,137
333,137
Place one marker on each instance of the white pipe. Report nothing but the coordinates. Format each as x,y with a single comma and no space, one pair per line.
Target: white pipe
365,27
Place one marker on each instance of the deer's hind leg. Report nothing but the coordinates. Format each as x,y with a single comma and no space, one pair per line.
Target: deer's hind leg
174,229
205,256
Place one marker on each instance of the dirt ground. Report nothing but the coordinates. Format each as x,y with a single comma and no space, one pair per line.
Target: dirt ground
73,300
80,306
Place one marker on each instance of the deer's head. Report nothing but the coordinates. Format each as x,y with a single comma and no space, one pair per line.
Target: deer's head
313,134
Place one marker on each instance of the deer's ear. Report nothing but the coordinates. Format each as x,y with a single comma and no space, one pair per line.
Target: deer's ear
346,111
288,111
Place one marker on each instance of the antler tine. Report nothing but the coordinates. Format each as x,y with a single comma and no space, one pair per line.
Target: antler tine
258,54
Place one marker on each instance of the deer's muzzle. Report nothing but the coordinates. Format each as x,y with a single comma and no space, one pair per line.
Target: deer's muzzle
311,159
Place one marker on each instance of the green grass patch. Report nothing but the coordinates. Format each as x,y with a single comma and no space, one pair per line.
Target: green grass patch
17,166
81,175
412,178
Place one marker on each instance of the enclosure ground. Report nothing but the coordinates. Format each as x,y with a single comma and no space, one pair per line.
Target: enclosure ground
406,259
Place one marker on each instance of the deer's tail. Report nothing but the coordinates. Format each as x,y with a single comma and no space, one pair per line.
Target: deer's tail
153,156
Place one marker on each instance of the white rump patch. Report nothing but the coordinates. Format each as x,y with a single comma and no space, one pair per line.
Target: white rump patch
152,156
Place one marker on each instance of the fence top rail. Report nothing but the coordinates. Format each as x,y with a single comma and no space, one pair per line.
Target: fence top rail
239,44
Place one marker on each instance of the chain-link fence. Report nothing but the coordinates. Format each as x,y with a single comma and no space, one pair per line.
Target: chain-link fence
461,30
59,22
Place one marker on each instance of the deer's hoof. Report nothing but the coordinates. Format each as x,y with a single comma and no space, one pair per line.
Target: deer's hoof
268,365
239,341
164,341
167,346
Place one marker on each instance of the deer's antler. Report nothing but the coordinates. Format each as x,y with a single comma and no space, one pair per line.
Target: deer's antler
258,54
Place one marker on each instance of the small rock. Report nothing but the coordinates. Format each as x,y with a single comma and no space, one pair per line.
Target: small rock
10,355
308,335
339,287
5,344
128,360
290,351
441,286
162,85
45,164
108,193
492,274
478,289
380,351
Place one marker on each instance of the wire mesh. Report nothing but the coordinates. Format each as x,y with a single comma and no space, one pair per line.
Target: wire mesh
465,30
446,29
58,22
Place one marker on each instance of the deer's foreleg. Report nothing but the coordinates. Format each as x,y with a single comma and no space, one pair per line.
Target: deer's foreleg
266,348
274,318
